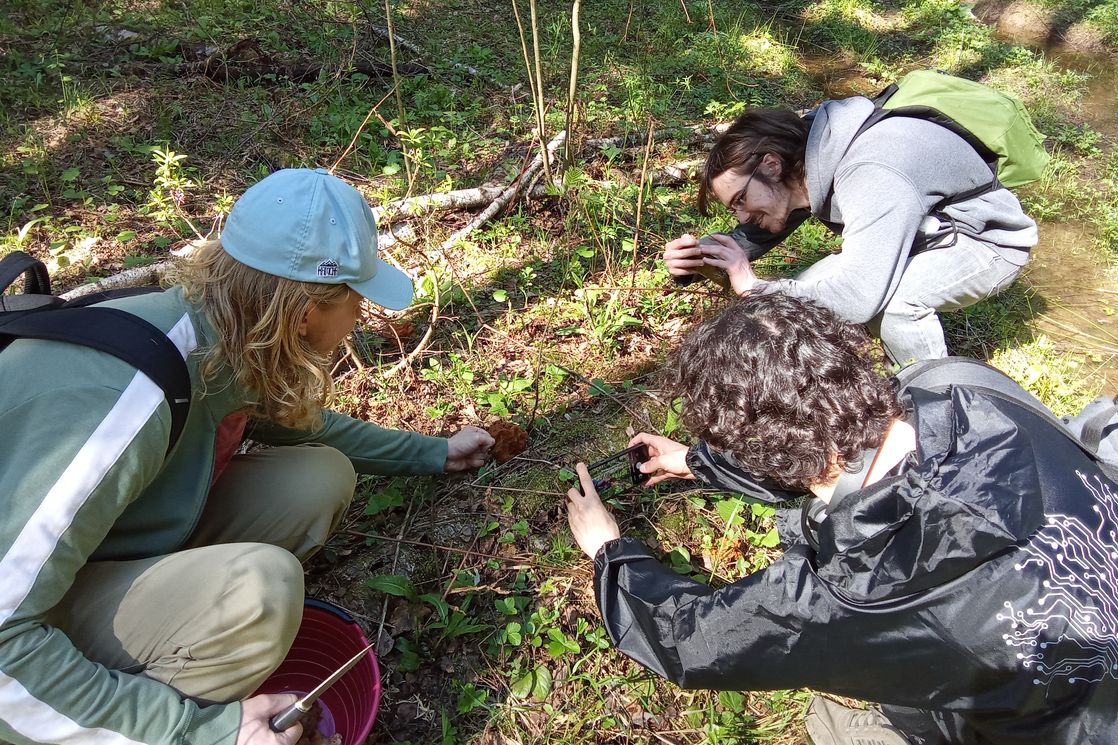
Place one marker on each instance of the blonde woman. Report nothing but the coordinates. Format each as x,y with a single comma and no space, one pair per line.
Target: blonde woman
147,594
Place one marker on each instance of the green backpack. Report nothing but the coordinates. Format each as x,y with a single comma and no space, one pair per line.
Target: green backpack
994,123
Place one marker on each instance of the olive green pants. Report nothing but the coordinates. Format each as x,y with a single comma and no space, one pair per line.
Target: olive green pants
215,619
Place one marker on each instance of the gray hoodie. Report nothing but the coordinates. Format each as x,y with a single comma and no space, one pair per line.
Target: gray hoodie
877,191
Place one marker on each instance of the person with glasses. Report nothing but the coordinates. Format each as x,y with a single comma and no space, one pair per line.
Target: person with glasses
904,258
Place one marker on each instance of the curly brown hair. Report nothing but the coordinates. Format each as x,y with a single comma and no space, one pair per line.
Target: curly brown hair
792,390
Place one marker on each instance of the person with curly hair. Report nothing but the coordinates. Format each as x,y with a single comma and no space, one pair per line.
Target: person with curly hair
147,593
924,228
951,565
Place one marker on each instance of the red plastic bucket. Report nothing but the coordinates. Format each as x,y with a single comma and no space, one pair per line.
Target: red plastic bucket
328,637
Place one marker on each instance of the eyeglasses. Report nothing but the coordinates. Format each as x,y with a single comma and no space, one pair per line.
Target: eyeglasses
738,200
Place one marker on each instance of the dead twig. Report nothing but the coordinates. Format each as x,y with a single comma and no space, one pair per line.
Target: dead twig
527,560
612,396
640,205
395,562
510,192
427,335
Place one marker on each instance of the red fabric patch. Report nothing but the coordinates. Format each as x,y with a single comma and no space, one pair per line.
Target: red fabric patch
230,435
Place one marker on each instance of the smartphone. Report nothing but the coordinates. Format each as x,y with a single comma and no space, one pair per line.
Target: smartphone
620,469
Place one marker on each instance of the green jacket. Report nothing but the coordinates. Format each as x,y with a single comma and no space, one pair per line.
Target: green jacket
84,476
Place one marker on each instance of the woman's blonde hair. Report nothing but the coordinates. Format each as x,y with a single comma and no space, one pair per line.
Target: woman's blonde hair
256,317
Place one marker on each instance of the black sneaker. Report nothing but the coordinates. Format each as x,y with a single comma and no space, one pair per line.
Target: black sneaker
830,723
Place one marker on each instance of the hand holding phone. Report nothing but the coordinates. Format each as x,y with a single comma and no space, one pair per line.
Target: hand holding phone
667,458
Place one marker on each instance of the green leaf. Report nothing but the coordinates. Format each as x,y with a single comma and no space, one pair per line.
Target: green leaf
732,701
762,511
125,235
436,600
535,683
392,584
512,633
543,683
500,295
385,499
472,698
771,539
522,686
730,510
599,387
70,174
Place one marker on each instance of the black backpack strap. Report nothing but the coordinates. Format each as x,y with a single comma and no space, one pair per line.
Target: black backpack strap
929,114
99,297
36,279
123,335
1099,425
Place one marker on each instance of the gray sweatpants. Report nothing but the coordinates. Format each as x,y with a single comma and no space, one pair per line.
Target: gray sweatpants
215,619
934,281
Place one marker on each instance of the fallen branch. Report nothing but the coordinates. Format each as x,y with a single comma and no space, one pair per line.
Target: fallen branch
135,277
465,199
510,192
232,65
506,197
152,274
448,200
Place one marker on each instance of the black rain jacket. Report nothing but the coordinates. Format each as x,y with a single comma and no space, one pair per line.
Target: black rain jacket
981,583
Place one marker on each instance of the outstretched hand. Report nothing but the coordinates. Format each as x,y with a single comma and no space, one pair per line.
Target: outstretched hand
467,449
255,715
591,523
722,251
668,458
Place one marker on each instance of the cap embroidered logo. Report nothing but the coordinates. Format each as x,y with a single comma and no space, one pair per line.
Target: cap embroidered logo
328,268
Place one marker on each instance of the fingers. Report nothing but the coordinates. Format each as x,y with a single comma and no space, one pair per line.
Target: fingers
683,255
652,468
719,252
586,480
684,241
481,438
721,238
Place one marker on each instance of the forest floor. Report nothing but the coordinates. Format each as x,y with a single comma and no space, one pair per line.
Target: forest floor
128,129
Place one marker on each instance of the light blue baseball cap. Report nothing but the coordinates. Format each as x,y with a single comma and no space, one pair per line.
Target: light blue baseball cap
310,226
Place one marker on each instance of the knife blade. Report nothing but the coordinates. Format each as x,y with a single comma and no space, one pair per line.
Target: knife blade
291,714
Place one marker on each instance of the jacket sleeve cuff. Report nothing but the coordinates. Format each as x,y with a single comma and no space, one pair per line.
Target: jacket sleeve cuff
214,725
